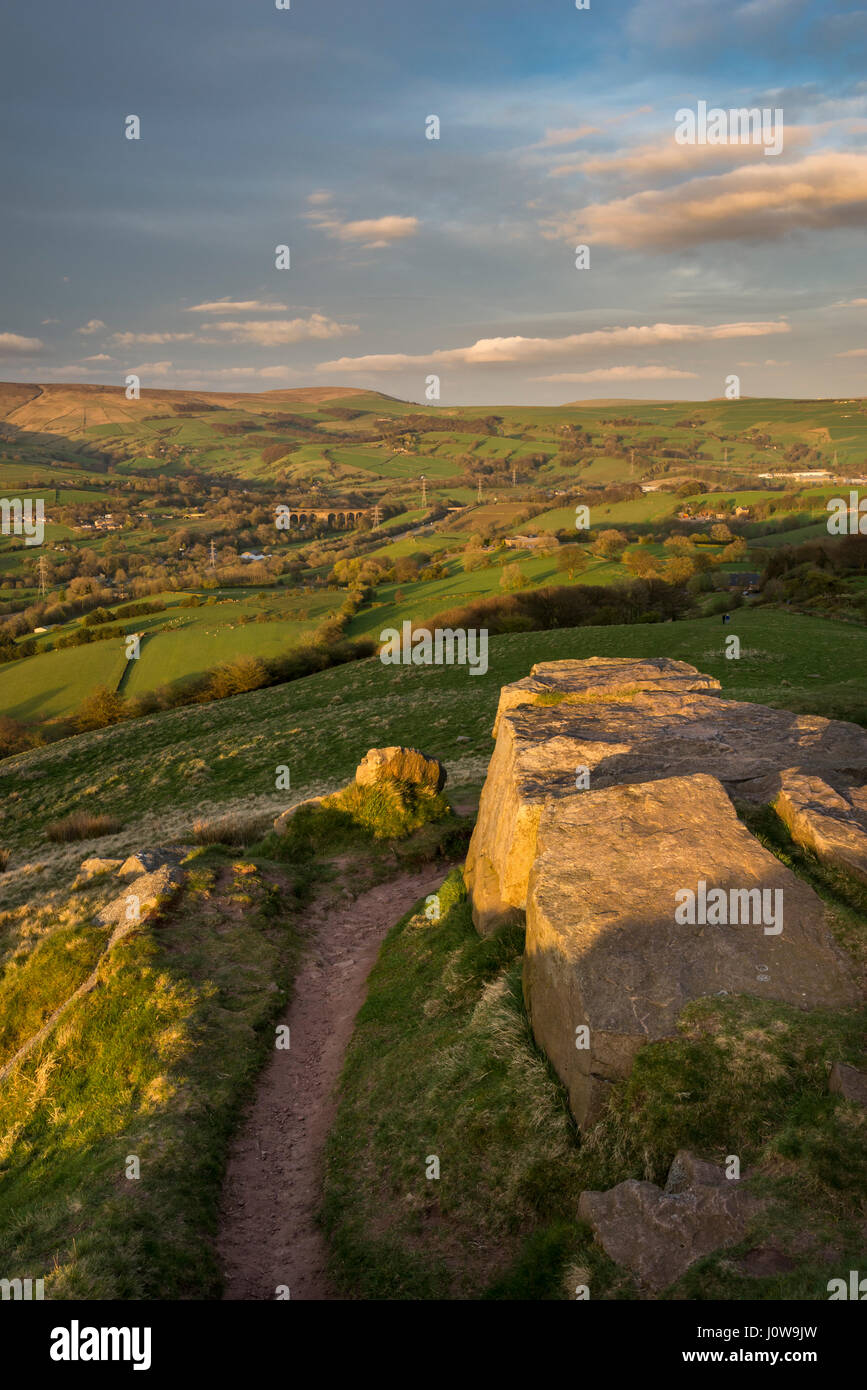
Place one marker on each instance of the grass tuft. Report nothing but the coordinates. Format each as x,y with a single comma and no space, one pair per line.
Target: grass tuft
81,825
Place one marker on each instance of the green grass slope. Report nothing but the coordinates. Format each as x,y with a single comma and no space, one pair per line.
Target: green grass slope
169,767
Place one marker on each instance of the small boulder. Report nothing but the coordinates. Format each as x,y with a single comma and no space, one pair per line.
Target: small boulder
658,1233
284,818
848,1082
91,867
143,898
401,765
147,860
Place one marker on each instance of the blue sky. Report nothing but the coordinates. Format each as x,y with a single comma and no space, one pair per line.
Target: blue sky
454,257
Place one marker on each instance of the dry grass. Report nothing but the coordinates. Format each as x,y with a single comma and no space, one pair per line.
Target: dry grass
232,829
81,825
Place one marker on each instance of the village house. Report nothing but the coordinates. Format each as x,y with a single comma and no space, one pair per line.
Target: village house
526,542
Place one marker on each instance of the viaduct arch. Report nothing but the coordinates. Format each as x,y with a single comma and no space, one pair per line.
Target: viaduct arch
338,518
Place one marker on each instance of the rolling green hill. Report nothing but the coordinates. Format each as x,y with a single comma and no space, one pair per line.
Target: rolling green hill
164,769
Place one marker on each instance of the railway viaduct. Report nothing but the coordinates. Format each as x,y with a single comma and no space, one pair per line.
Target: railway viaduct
337,517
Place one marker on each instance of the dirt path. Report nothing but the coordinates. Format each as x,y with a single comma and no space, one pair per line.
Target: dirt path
267,1232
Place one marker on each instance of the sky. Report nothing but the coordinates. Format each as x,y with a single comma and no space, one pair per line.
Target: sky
454,258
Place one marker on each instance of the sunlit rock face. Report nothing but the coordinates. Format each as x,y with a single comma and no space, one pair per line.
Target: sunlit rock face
607,804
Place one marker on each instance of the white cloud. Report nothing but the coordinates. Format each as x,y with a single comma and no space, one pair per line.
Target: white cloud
11,344
565,136
372,232
517,350
128,339
99,357
92,326
152,369
235,306
666,156
201,375
760,202
853,352
276,331
622,374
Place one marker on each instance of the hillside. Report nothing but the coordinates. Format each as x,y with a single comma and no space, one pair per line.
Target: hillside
162,771
179,1024
177,668
347,511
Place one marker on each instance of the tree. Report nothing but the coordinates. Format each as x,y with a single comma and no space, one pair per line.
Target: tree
609,544
679,569
642,564
102,706
679,545
736,551
512,579
572,560
720,532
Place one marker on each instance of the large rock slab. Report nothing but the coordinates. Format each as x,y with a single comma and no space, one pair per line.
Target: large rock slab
602,678
658,1233
604,948
833,824
621,737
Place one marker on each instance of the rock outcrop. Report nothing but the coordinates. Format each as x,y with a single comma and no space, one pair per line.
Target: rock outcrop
596,728
147,860
606,823
402,769
657,1233
143,898
400,765
833,824
91,868
605,950
848,1082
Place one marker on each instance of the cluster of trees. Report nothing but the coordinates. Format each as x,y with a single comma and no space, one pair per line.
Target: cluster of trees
531,610
826,574
684,559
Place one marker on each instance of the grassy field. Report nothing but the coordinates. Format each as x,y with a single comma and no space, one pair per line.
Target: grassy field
163,770
178,642
53,684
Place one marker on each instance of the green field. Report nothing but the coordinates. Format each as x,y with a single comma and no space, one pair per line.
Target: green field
194,647
167,765
53,684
